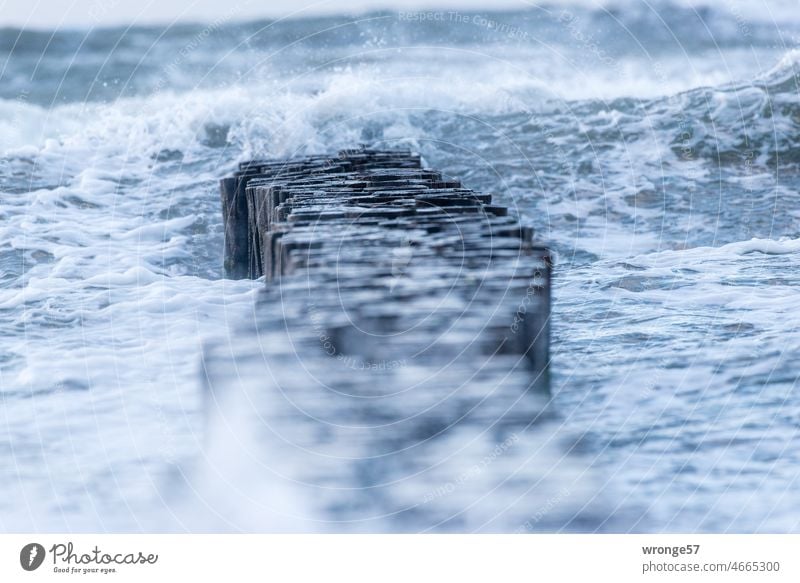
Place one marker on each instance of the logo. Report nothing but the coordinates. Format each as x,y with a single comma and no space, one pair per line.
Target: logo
31,556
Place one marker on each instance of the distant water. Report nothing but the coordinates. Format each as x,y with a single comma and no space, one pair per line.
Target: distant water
656,148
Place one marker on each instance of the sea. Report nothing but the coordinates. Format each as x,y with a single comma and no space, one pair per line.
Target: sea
654,146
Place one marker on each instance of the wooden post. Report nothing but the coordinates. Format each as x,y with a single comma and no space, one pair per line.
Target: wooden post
234,220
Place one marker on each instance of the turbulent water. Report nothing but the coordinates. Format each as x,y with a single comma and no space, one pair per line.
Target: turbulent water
654,146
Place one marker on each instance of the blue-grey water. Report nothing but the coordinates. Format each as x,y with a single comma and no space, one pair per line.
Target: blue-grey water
655,146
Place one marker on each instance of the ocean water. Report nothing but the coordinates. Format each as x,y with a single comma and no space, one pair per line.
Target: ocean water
654,146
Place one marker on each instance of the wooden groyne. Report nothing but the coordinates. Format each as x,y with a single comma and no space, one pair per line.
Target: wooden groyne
401,341
372,218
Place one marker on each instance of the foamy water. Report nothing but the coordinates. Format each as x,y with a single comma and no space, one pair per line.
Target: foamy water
656,149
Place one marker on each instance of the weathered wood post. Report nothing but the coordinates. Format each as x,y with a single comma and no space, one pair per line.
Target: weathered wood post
351,217
236,233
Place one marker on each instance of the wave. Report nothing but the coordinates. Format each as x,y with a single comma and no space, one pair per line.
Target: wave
771,11
750,124
329,109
